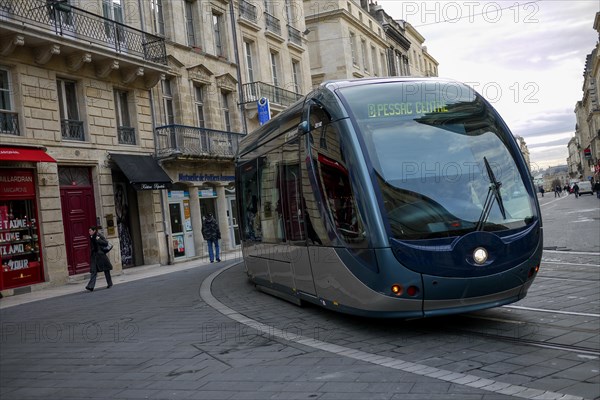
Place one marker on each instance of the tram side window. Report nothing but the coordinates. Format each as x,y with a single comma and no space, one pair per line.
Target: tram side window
271,218
334,177
250,201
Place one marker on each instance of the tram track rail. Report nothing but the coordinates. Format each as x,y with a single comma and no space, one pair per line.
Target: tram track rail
531,342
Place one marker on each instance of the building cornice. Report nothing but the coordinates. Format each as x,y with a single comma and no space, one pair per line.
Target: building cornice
354,22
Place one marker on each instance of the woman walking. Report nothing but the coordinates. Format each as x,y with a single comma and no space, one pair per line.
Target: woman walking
98,260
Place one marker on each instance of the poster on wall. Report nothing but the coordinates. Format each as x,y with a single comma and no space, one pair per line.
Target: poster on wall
178,246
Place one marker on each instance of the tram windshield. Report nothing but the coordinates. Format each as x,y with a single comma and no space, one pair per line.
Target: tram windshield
429,143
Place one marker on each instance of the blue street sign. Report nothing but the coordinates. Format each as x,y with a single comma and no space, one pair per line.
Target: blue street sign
264,111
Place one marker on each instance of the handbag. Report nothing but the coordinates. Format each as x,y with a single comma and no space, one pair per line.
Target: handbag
107,248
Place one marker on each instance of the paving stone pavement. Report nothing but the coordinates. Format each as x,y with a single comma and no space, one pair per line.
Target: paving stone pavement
158,338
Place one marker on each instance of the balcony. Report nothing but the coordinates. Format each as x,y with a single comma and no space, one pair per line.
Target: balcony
255,90
126,135
272,24
248,11
9,123
72,129
294,36
51,27
191,141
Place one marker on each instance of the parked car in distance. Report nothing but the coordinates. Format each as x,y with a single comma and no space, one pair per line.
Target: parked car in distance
585,187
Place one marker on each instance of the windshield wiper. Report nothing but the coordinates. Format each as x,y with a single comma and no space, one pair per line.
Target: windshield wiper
493,193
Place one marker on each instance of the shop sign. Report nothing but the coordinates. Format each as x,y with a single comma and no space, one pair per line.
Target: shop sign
207,193
206,178
16,183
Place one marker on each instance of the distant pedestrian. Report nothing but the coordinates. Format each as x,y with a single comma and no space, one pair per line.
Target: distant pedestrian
557,191
212,234
576,189
542,190
597,189
98,260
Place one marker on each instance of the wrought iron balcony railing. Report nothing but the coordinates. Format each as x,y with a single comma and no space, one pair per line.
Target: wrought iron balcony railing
248,11
253,91
294,35
58,18
126,135
72,129
194,141
273,24
9,123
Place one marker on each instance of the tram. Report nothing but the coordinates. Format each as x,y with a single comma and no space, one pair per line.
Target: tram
388,197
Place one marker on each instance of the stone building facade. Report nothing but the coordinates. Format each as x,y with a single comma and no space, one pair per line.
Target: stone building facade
587,111
358,39
75,96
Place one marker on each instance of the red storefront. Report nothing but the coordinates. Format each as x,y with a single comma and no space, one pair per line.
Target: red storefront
20,247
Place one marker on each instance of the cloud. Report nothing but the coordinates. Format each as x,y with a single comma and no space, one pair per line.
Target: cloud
526,58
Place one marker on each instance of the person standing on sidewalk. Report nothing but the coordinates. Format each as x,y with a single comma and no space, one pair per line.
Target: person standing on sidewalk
98,260
212,234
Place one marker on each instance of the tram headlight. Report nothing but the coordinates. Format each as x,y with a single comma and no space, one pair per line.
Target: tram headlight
480,255
397,289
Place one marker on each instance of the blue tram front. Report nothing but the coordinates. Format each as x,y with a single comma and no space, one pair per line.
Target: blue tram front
389,197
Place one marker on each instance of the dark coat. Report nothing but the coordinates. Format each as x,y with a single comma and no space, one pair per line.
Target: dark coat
98,260
210,229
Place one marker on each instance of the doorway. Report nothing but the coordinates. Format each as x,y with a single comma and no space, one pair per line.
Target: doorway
79,213
181,224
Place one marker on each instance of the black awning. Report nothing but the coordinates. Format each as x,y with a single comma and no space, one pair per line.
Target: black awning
143,172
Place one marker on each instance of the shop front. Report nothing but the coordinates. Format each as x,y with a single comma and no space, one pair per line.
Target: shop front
190,200
20,236
135,180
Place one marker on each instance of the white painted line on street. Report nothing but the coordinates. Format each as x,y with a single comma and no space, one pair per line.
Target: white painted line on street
580,253
579,314
568,263
389,362
554,201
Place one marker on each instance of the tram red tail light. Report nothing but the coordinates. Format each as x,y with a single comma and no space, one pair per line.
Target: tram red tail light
397,289
412,291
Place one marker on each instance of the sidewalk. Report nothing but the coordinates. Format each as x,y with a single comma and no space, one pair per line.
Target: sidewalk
127,275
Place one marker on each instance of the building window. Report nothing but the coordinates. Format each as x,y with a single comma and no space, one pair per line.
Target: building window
289,13
274,68
225,108
270,7
9,121
199,103
22,263
353,47
125,131
374,57
71,125
296,76
60,16
113,11
190,23
217,20
248,54
158,20
383,70
363,50
168,108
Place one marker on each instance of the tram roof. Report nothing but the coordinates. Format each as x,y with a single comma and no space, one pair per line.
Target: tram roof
341,83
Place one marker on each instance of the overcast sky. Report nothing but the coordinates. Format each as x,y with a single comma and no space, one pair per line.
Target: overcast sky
526,57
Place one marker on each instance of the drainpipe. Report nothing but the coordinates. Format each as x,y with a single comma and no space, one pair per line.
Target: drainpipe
163,205
237,68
